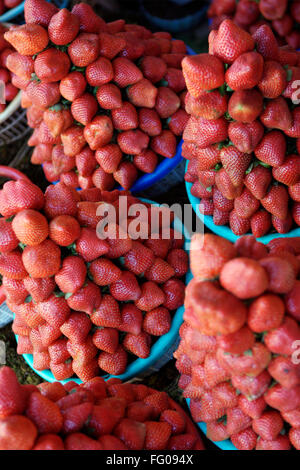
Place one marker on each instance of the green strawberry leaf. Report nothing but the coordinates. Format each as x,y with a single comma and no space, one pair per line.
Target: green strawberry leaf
264,164
68,295
209,189
218,167
22,246
10,219
228,88
248,352
28,299
250,168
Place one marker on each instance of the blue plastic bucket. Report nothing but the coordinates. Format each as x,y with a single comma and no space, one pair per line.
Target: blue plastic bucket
223,230
18,10
161,351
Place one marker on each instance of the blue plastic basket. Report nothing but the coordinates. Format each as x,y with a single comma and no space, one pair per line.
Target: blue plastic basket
161,351
18,10
223,230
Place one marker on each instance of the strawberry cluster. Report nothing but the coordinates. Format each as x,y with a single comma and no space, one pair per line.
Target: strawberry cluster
106,101
6,77
237,357
243,136
283,16
97,415
84,303
8,4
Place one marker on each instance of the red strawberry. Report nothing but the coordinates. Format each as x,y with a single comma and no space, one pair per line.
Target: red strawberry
108,313
76,416
246,205
106,339
98,132
89,246
31,227
49,442
174,293
283,399
205,132
142,94
280,340
18,195
133,141
8,239
84,49
268,426
17,433
39,12
73,140
51,65
76,327
284,372
87,299
216,431
157,322
85,371
12,398
54,310
167,102
245,136
146,161
178,121
139,258
208,104
231,41
42,94
266,43
244,440
27,39
245,72
84,108
88,19
113,363
111,443
22,66
58,352
157,435
11,265
202,72
238,342
132,433
260,223
131,319
258,181
44,413
126,288
139,345
164,144
79,441
86,162
62,371
235,163
104,272
282,225
63,27
109,96
111,45
64,230
252,407
60,200
15,290
245,105
42,260
125,117
276,114
71,277
153,68
72,86
99,72
175,79
160,271
273,81
288,173
276,201
125,72
237,421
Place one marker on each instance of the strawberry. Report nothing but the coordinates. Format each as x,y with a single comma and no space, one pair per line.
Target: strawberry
146,161
79,441
73,140
245,105
157,322
54,310
84,108
277,115
44,414
109,96
111,45
126,288
64,230
39,12
157,435
174,294
111,443
131,319
18,195
72,86
139,411
84,49
89,246
178,259
216,431
99,72
205,132
51,65
85,162
132,433
202,72
75,417
153,68
294,192
235,163
231,41
245,136
244,440
160,271
273,80
260,223
178,121
49,442
276,201
164,144
125,117
98,132
104,272
125,72
284,372
151,296
238,342
280,340
48,333
88,20
8,238
42,94
253,408
63,27
208,104
57,120
86,299
139,258
31,227
106,339
107,314
282,225
42,260
132,141
294,437
288,173
25,347
246,205
12,397
113,363
15,290
268,426
76,327
167,102
283,399
120,244
60,200
175,79
291,301
71,277
58,352
245,72
11,265
20,65
17,432
258,181
237,421
27,39
266,43
265,313
142,94
85,371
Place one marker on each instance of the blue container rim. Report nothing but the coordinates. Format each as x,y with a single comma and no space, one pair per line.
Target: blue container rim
18,10
161,346
223,230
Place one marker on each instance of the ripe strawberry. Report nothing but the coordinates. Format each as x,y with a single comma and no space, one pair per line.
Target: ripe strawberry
49,442
76,327
25,347
63,27
85,370
84,108
133,141
142,94
132,433
231,41
79,441
202,72
258,181
22,66
51,65
98,132
126,288
157,322
235,163
245,136
260,223
84,49
107,314
39,12
266,43
139,258
64,230
268,426
205,132
291,301
15,290
11,265
125,117
12,397
8,239
208,104
131,319
17,432
19,195
276,201
99,72
139,345
284,372
238,342
273,81
62,371
111,45
245,105
157,435
42,94
58,353
42,260
109,96
237,421
44,413
279,341
245,72
72,86
146,161
244,440
276,114
71,277
111,443
73,141
216,431
87,299
153,68
160,271
89,21
164,144
246,205
283,399
178,121
106,339
167,102
54,310
104,272
125,72
27,39
89,246
31,227
113,363
288,172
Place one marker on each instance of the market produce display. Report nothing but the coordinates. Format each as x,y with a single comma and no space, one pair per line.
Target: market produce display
242,138
6,77
237,357
106,101
97,415
8,4
85,305
283,16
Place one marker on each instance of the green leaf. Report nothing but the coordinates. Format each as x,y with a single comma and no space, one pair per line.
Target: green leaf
68,295
209,189
22,246
218,167
228,88
28,299
264,164
248,352
250,168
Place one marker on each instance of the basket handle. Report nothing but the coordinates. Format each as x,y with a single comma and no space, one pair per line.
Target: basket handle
12,173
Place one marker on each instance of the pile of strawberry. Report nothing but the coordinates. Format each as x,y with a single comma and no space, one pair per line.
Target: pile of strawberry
97,415
238,354
8,5
283,16
106,101
243,136
85,305
6,77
